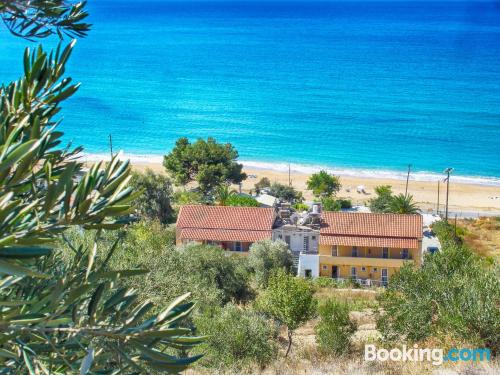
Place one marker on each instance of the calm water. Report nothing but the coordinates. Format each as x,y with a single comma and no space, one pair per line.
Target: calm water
349,85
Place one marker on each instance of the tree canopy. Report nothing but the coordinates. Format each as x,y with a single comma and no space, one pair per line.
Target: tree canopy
70,316
289,300
285,193
39,19
323,184
209,163
386,202
155,199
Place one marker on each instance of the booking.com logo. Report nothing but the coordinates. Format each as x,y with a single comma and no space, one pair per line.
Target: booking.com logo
435,356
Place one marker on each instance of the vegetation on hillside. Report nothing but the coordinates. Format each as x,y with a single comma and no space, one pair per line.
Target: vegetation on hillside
68,311
207,162
323,184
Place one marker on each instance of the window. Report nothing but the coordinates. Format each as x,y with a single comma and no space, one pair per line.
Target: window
363,269
354,252
374,270
335,251
306,244
385,252
280,236
313,238
237,246
325,267
404,254
308,273
353,272
287,240
385,277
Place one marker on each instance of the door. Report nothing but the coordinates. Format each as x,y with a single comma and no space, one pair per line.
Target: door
335,272
385,276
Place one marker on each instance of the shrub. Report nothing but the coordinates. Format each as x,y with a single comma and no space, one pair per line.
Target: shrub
301,207
335,329
263,183
155,200
267,256
241,201
323,184
285,193
382,202
236,338
345,203
330,204
289,300
453,293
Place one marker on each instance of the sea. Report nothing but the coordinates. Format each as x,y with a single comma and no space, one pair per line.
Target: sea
355,87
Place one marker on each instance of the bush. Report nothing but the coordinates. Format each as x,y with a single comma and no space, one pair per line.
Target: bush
453,293
241,201
345,203
285,193
301,207
236,338
262,184
289,300
335,329
268,256
155,201
330,204
327,282
382,202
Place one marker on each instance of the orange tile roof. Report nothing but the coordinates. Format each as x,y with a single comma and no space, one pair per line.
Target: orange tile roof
371,225
371,230
399,243
223,223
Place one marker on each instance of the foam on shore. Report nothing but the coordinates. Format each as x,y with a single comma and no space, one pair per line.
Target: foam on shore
309,169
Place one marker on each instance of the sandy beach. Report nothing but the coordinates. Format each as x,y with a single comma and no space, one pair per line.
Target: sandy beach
464,199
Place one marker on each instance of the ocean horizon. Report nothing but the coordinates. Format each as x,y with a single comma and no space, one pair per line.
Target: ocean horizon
357,88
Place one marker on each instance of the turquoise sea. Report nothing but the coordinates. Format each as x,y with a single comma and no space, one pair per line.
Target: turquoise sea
358,87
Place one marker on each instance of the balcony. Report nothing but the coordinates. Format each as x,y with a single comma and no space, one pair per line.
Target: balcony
363,261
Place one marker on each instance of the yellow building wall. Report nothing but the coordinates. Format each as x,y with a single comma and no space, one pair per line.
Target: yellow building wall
372,253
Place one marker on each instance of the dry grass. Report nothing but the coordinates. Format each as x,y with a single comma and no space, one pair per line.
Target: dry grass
482,235
305,359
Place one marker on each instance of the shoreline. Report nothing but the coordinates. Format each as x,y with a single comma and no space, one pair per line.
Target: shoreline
465,199
307,169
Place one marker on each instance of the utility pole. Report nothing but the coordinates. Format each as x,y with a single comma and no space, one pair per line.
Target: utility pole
289,176
437,207
447,179
111,146
407,179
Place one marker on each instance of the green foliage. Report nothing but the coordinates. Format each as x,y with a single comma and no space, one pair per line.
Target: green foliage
328,282
39,19
403,204
237,338
323,184
289,300
383,200
453,294
242,201
446,233
154,202
300,207
386,202
285,193
261,184
335,329
183,197
223,193
266,257
213,277
209,163
344,203
330,204
68,316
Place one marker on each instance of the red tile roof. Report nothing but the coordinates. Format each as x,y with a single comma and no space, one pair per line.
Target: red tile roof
223,223
399,243
370,229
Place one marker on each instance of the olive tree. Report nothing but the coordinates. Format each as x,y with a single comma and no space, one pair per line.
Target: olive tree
67,317
289,300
